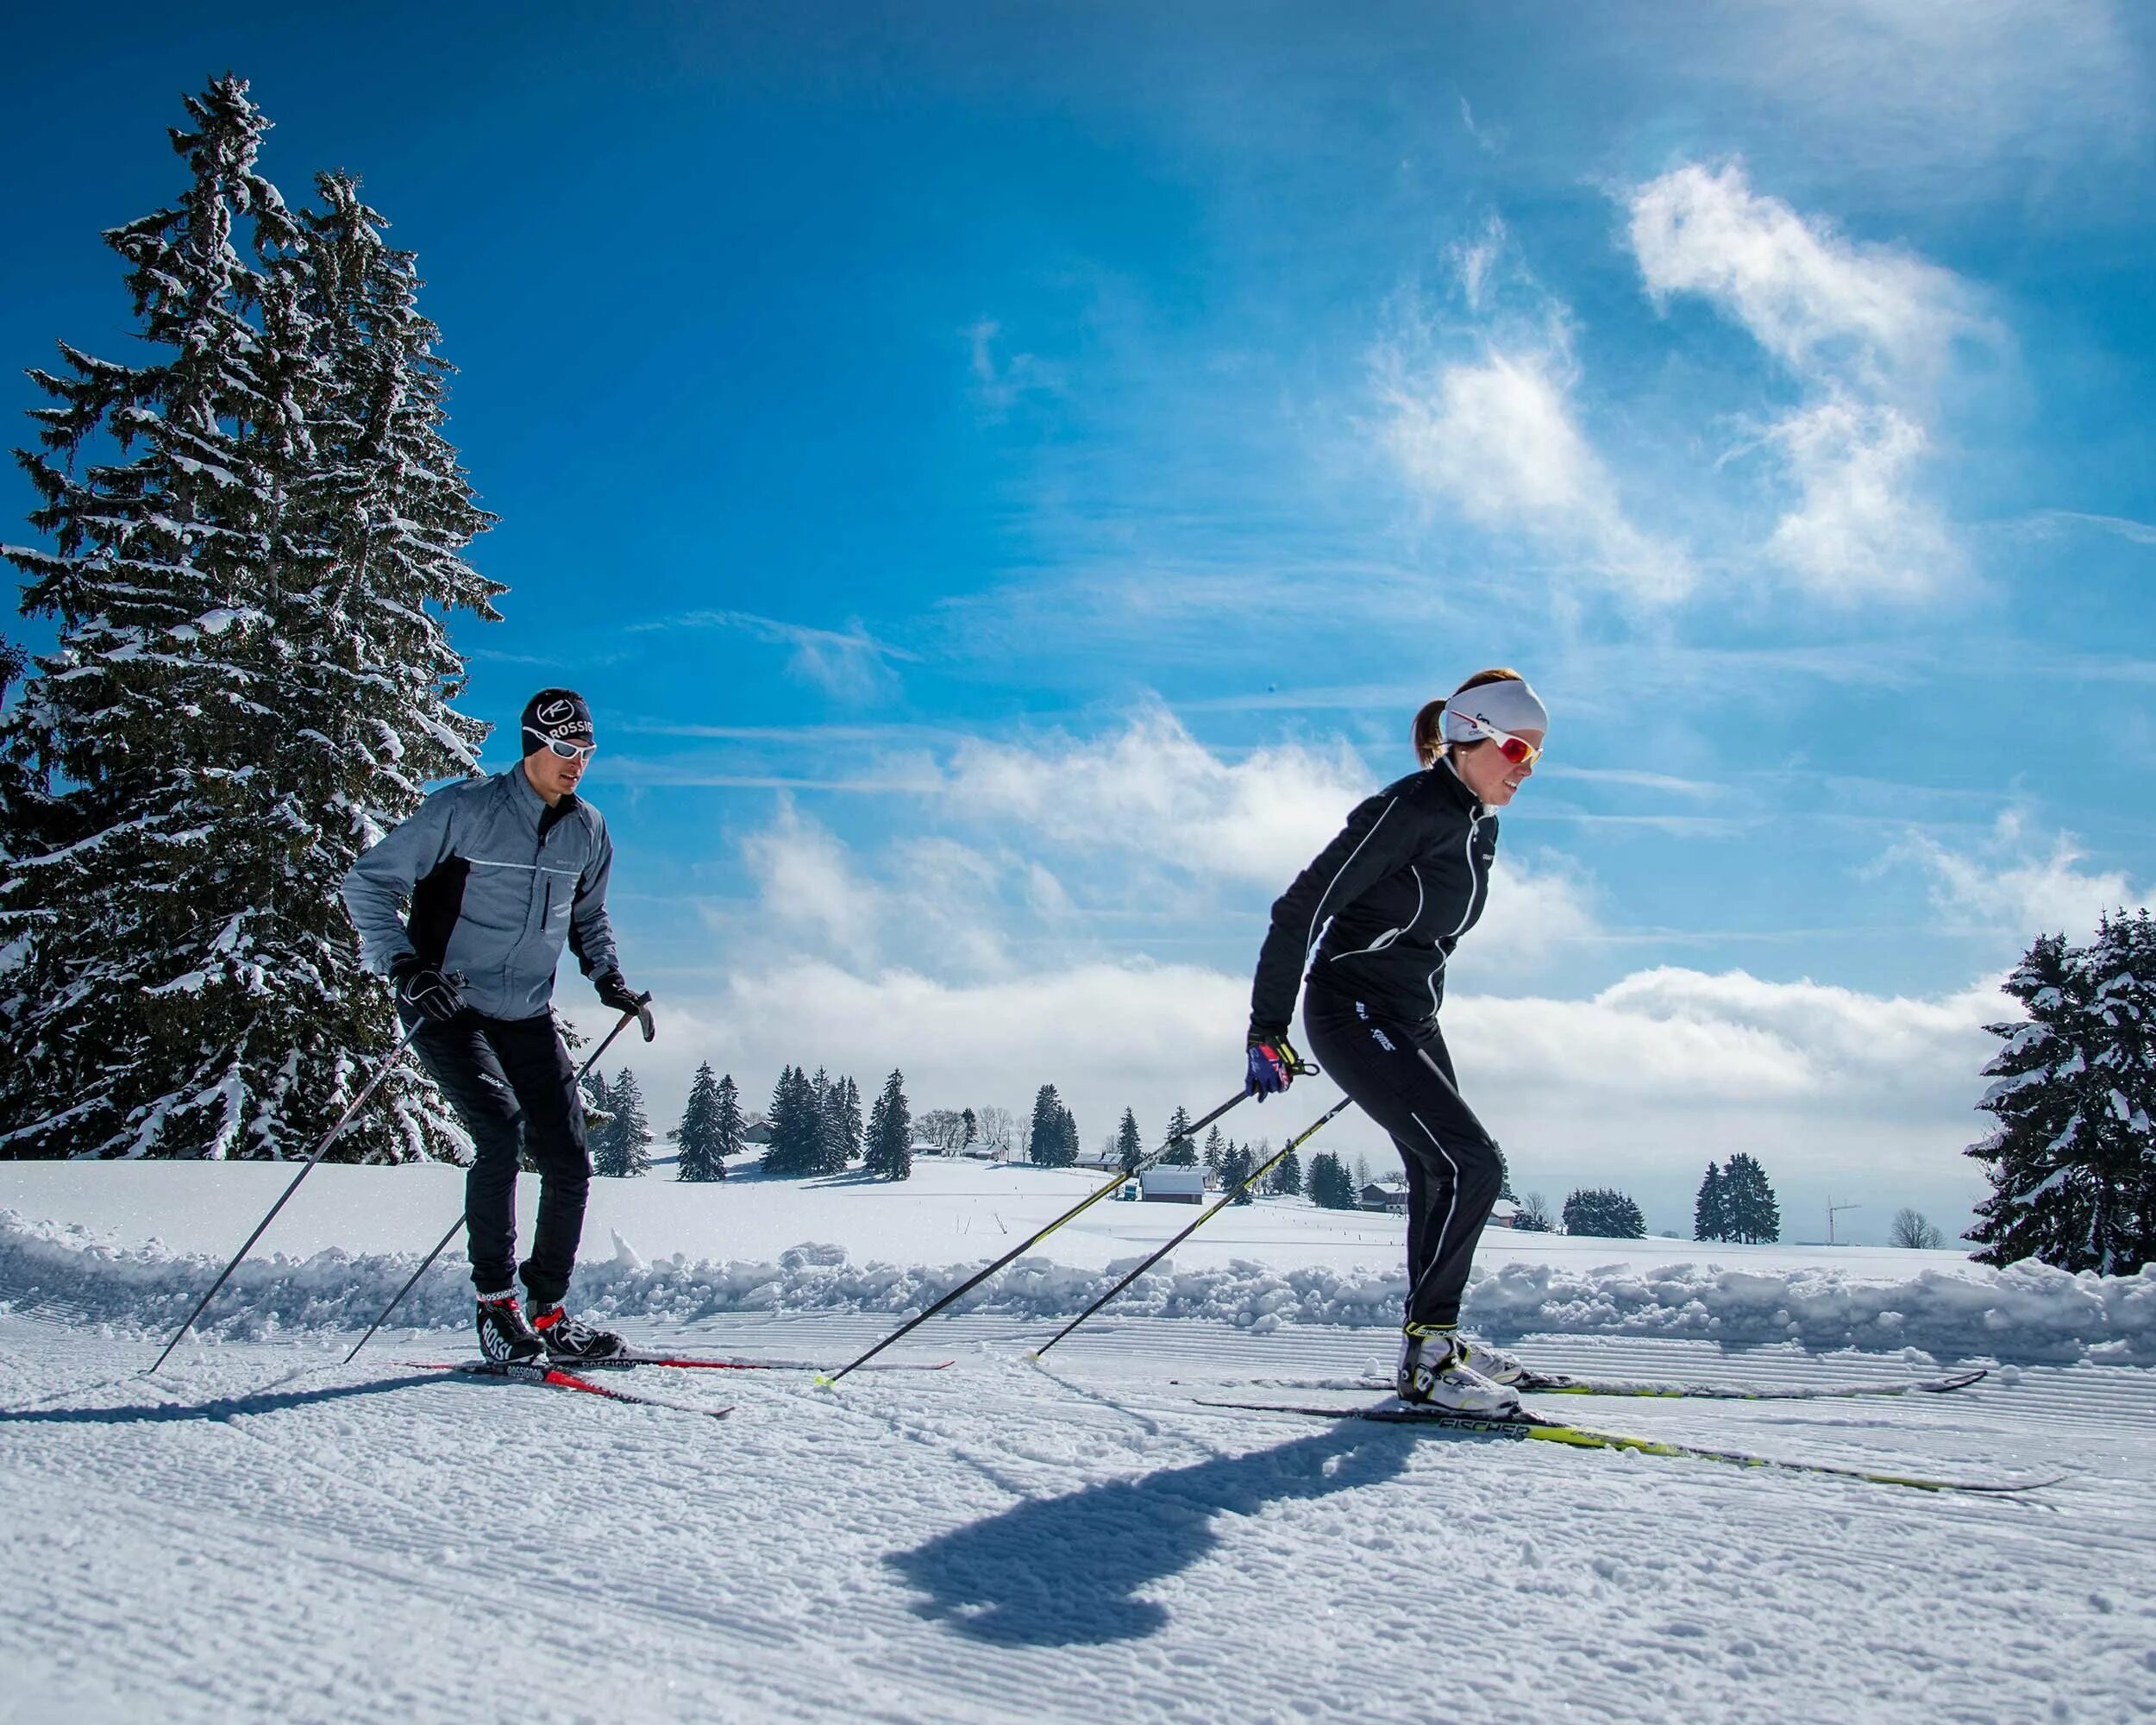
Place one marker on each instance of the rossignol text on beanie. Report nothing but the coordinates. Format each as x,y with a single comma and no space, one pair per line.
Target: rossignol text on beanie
555,716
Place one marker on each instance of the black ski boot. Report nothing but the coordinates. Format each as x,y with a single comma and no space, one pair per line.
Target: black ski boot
570,1340
505,1337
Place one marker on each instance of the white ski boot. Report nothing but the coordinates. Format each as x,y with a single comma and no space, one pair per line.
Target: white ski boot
1436,1372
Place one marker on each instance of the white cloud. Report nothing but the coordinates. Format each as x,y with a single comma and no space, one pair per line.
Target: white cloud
1497,438
1817,301
1153,790
2014,885
1859,529
1868,332
806,882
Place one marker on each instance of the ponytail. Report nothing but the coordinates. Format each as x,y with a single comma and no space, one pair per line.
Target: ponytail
1429,735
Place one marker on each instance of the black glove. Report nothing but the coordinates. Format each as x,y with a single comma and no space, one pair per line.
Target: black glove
616,992
422,988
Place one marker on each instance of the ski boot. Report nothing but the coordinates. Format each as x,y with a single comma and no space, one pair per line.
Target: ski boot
570,1340
1436,1372
505,1337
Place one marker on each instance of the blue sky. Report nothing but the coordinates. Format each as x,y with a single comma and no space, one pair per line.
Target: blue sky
1005,476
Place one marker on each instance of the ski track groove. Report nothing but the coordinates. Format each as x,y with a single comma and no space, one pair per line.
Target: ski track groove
722,1561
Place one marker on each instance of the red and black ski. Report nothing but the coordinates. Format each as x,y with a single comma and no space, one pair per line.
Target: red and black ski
552,1378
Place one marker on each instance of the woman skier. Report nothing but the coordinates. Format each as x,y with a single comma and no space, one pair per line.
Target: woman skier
1374,919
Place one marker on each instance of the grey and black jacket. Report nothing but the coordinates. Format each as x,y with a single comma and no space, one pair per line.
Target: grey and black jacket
1377,914
497,880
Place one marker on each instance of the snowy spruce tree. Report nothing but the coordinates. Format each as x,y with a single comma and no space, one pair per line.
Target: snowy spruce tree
1604,1211
621,1148
1054,1141
1130,1148
1182,1149
2072,1161
1750,1213
1710,1219
1235,1168
1332,1187
252,534
711,1129
795,1126
1287,1179
890,1141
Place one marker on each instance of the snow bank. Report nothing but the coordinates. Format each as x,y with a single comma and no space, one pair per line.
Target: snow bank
2027,1312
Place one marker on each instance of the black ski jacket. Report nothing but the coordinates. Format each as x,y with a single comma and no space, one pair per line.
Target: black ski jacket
1379,912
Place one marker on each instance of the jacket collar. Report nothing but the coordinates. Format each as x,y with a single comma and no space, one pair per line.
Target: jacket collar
1449,775
533,806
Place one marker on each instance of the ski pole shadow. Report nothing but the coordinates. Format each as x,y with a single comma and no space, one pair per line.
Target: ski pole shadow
1065,1571
222,1407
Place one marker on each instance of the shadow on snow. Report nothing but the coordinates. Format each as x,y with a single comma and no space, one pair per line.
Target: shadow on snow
222,1407
1065,1571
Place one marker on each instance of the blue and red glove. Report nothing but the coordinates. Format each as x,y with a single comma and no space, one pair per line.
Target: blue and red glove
1274,1064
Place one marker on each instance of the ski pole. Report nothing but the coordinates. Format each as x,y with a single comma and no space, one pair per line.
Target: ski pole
443,1245
1026,1245
1255,1176
388,1063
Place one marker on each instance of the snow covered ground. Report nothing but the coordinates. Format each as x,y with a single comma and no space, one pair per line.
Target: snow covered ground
261,1533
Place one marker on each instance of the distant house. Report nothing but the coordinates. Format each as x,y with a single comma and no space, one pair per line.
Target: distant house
758,1132
1173,1185
925,1148
1504,1213
1393,1199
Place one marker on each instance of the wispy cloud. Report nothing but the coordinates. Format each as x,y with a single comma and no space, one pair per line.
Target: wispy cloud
851,664
1001,382
1868,332
2014,885
1497,438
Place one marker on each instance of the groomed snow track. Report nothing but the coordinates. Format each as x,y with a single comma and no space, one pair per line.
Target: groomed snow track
262,1534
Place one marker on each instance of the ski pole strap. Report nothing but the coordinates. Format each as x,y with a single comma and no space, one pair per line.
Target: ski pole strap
1226,1199
1026,1245
389,1062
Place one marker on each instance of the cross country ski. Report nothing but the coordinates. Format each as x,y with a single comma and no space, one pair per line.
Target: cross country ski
552,1378
1527,1427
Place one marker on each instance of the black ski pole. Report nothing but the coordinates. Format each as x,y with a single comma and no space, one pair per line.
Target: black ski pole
1026,1245
388,1062
443,1245
1255,1176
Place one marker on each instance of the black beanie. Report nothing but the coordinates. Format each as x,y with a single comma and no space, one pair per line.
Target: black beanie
555,715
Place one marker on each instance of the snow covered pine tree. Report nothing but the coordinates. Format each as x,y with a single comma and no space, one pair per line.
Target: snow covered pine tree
890,1148
247,686
2072,1162
621,1148
710,1127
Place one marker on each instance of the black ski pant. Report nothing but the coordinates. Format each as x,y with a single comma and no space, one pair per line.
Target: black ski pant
1400,1075
511,1085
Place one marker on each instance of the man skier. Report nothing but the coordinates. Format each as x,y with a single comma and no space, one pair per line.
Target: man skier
499,871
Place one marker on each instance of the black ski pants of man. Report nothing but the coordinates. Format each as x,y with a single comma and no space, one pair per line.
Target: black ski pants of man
1400,1075
511,1084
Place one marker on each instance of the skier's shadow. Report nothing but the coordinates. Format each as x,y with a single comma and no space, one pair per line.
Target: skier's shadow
1065,1571
224,1408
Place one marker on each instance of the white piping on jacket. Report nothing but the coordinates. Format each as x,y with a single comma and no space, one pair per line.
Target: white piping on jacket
1310,940
1390,934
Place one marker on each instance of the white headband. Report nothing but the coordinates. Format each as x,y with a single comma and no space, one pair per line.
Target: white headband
1509,705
